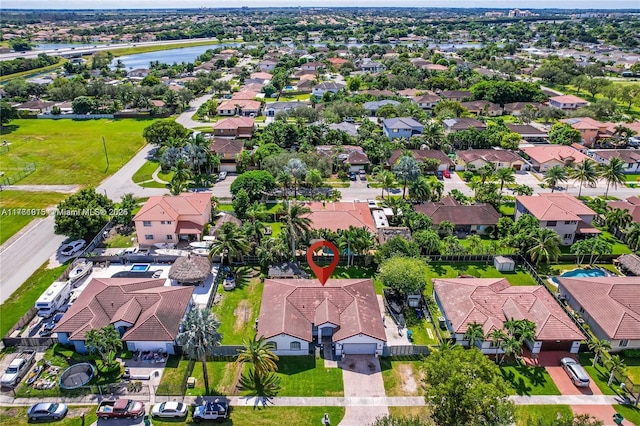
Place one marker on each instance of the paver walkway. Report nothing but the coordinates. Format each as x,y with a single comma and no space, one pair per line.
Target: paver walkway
363,384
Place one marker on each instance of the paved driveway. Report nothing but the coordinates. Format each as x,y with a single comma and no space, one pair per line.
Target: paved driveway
601,412
362,378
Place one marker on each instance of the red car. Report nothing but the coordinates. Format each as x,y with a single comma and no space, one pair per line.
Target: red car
446,174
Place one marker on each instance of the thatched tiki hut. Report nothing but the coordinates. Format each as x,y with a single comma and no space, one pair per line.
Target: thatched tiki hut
190,269
629,264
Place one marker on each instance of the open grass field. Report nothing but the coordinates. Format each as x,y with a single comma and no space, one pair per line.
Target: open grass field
71,151
25,296
11,221
239,308
527,415
529,380
401,377
307,376
17,416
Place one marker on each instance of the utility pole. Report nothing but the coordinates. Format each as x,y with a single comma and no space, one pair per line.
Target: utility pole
104,144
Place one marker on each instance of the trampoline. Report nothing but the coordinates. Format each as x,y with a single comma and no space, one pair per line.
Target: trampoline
77,375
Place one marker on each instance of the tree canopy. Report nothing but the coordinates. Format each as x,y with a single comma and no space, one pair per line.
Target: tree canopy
162,131
82,214
405,274
254,182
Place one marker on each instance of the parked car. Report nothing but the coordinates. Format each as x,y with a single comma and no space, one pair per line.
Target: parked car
352,176
576,373
446,174
169,409
222,176
439,175
229,281
216,410
18,367
120,408
372,203
50,324
47,411
73,247
363,175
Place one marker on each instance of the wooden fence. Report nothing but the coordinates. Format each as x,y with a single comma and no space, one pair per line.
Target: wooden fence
406,350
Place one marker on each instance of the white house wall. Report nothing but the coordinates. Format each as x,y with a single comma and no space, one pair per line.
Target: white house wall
361,338
166,347
283,342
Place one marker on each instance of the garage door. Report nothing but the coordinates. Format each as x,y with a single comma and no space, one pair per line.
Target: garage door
552,345
227,168
359,348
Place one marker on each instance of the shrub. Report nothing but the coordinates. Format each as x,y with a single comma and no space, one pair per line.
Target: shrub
631,353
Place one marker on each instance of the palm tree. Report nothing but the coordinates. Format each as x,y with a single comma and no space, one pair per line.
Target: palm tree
599,347
387,180
510,325
615,366
485,171
554,176
284,180
433,134
473,333
633,236
613,173
446,228
407,170
522,190
266,386
314,179
297,169
618,219
198,337
584,172
231,241
497,338
437,188
296,222
512,347
505,175
106,342
526,330
545,246
181,176
420,190
259,353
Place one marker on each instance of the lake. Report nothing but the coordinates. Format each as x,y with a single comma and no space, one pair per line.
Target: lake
184,54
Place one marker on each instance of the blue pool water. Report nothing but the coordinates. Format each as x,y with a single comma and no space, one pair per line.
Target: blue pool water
581,273
140,267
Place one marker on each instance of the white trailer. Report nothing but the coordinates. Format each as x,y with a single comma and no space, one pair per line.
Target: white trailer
53,298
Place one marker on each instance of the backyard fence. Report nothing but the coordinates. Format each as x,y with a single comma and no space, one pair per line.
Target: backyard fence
20,172
12,338
75,116
406,350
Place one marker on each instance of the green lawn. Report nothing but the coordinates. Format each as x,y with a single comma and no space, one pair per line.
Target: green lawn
479,270
307,376
144,173
120,241
222,377
630,414
17,416
617,246
300,97
527,415
529,380
598,374
559,268
276,416
25,296
239,308
401,377
508,209
276,228
632,177
70,151
225,207
12,221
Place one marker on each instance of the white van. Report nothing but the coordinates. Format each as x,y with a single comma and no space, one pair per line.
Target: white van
53,298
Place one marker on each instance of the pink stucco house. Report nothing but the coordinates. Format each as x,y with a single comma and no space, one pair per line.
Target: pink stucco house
169,219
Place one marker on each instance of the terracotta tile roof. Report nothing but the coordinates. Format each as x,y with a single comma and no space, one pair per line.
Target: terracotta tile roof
172,207
233,123
544,153
611,302
448,209
554,206
626,155
240,103
293,306
492,301
632,204
188,227
226,146
421,155
526,129
463,123
568,99
489,155
261,75
154,309
341,215
244,95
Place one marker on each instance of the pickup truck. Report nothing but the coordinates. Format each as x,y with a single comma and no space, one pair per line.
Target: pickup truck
18,368
211,410
120,408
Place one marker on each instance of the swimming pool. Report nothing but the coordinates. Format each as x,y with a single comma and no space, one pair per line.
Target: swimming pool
140,267
581,273
584,273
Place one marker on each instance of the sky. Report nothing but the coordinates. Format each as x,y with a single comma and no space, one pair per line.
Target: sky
148,4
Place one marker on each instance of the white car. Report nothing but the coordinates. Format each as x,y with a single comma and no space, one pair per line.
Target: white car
73,247
222,176
169,409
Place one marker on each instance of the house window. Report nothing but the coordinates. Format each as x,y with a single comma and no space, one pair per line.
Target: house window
148,236
567,222
552,223
295,346
168,222
395,130
146,223
567,236
169,237
162,222
624,343
581,310
274,345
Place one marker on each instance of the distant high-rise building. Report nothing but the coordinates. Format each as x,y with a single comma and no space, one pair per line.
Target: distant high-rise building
518,12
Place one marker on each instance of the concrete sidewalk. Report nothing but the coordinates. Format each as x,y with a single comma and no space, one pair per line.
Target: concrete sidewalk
354,401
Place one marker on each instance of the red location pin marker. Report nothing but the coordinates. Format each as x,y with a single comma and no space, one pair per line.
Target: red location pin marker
323,273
